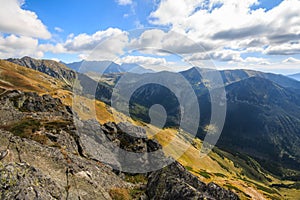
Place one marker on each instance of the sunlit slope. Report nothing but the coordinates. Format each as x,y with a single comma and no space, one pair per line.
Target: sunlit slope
237,173
13,76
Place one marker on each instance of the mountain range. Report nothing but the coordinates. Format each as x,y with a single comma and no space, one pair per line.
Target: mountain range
259,146
107,67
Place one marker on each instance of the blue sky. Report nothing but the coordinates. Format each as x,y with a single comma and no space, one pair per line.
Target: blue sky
254,34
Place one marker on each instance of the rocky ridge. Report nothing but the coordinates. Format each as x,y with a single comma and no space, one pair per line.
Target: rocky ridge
49,67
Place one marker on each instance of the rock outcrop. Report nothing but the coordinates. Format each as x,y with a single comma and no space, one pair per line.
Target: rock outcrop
175,182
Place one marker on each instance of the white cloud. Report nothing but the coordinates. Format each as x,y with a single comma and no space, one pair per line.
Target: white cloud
58,29
156,41
102,45
231,24
256,60
124,2
283,49
15,20
57,48
154,63
85,42
218,55
291,60
18,46
143,60
165,14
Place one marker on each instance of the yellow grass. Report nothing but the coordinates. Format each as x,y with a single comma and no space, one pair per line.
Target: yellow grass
13,76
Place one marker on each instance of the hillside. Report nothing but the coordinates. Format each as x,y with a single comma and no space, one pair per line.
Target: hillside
263,121
13,76
49,67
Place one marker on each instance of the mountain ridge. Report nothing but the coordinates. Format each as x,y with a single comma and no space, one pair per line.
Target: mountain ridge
192,164
106,67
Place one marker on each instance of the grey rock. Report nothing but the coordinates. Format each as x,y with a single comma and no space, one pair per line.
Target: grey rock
175,182
22,181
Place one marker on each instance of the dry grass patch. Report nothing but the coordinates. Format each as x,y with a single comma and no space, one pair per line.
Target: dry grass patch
120,194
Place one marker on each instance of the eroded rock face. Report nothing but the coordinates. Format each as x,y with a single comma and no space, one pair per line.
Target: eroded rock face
175,182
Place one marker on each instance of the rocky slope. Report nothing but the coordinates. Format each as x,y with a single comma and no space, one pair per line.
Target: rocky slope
49,159
175,182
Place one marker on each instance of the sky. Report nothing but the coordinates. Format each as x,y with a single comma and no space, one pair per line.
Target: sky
174,35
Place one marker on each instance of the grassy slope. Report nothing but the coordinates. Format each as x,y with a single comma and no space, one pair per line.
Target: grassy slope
236,172
13,76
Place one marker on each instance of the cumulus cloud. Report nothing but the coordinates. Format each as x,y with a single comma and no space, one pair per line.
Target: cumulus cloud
15,20
102,45
291,60
57,48
154,63
232,24
18,46
283,49
162,42
143,60
85,42
256,60
218,55
124,2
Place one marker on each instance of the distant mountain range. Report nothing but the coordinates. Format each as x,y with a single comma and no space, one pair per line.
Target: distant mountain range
295,76
107,67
